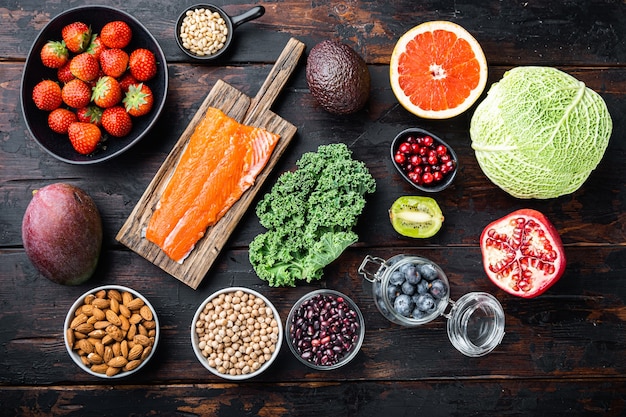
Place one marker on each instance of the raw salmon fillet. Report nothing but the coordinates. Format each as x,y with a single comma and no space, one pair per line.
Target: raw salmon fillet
221,161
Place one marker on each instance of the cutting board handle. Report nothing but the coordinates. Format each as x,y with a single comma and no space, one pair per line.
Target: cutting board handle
277,78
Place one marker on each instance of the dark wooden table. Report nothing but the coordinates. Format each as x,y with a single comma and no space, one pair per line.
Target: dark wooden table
564,351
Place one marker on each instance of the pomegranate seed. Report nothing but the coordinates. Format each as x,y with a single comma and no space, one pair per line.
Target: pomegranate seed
420,155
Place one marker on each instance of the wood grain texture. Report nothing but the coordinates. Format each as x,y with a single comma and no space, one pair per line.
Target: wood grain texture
563,353
241,108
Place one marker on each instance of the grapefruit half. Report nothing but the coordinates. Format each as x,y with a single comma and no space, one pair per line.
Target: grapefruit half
437,70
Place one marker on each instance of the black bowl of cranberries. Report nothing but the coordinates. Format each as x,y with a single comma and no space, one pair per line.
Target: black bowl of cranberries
424,160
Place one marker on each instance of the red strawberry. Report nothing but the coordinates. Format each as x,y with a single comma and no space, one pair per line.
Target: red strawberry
114,62
90,114
47,95
116,34
76,93
84,67
54,54
126,81
77,36
142,64
84,137
138,100
107,92
60,119
96,46
116,121
64,74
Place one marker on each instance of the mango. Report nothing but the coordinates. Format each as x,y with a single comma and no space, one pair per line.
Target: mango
62,233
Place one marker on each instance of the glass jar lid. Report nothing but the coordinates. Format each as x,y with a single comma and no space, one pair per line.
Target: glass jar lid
475,323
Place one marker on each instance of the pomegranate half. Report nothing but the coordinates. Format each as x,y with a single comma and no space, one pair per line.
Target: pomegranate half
522,253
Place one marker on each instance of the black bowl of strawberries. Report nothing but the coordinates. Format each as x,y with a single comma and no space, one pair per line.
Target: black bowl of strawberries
424,160
94,83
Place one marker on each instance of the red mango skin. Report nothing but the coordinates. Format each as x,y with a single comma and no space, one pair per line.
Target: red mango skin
62,233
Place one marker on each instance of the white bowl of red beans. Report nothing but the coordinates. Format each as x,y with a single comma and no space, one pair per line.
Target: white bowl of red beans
325,329
236,333
424,160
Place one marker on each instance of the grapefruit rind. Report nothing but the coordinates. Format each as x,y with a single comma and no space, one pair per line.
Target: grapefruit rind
400,49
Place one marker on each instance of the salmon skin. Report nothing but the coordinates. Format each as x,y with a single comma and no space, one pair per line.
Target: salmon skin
221,161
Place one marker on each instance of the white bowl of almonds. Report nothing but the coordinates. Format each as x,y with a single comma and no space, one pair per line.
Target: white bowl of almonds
236,333
111,331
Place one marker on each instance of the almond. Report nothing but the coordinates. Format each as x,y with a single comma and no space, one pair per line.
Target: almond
114,294
124,348
108,354
127,298
132,365
149,324
135,352
85,346
85,328
100,368
125,323
114,306
145,312
78,320
117,362
132,331
101,294
87,309
146,352
113,318
98,334
101,303
98,313
103,324
112,371
142,340
135,304
135,318
99,348
95,359
89,298
69,333
125,311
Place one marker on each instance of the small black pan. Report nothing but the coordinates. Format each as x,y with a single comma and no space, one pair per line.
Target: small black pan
231,22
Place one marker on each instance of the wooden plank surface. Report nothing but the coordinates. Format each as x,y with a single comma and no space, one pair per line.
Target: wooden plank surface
563,353
240,107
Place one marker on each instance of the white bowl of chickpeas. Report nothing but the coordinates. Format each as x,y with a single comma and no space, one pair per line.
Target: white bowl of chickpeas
236,333
111,331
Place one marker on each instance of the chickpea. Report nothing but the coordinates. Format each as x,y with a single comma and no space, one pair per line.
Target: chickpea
234,330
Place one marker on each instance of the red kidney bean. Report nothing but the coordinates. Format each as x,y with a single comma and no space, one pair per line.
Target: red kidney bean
324,329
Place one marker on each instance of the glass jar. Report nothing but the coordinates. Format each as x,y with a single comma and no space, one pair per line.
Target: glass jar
475,321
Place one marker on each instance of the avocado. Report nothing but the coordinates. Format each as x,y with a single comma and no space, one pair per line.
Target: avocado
338,77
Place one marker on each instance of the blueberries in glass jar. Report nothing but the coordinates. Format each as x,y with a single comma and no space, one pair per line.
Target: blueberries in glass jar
438,289
428,271
403,305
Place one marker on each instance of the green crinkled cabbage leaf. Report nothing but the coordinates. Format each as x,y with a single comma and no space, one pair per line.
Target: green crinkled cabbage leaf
540,132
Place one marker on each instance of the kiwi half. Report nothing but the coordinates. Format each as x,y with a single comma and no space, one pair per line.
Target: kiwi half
416,216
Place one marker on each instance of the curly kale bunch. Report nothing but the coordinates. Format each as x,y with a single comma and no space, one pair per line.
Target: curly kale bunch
309,214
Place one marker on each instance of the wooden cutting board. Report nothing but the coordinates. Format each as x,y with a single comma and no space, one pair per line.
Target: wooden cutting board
251,111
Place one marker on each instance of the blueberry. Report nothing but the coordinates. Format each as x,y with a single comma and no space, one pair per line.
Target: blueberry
426,303
428,272
418,314
422,287
396,278
438,289
408,288
392,292
403,305
412,275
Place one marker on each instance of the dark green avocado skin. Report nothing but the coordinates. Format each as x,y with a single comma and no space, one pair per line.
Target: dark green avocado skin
338,77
